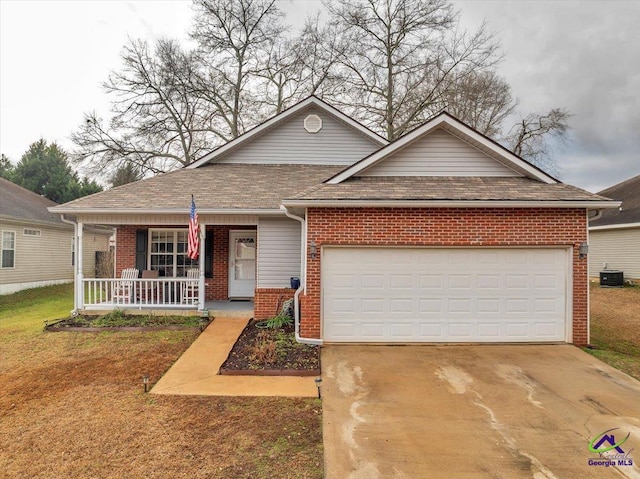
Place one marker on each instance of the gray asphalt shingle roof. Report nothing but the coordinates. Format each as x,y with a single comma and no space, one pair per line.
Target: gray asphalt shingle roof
629,193
446,188
216,186
22,204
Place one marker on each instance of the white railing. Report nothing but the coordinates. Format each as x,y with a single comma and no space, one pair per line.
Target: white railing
101,293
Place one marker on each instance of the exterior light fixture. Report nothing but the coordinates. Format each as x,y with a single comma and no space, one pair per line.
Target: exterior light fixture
313,249
583,250
318,381
145,383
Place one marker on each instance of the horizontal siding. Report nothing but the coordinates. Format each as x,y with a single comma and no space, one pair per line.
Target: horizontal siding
39,258
146,219
90,244
439,154
278,252
48,257
289,143
619,249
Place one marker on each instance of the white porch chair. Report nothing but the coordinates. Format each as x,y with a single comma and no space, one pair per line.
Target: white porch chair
123,289
190,290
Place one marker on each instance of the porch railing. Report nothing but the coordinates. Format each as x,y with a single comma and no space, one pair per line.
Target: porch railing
101,293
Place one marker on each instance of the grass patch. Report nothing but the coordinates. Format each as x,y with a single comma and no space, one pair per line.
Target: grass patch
615,327
71,405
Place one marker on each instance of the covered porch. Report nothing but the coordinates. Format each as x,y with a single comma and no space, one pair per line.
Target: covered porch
152,272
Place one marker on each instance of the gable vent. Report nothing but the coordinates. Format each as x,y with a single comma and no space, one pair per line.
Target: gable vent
313,123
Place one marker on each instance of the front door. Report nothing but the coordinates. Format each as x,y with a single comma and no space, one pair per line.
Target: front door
242,264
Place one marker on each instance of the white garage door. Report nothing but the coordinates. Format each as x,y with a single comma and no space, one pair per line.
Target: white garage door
444,295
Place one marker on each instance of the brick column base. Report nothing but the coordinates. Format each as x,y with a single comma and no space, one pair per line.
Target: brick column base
267,302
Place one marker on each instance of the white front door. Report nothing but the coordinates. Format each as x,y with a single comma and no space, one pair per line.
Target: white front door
242,264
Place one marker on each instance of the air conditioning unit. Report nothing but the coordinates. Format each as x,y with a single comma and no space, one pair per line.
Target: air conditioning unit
611,278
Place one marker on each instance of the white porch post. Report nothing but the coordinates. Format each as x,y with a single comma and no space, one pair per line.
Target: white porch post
201,256
80,275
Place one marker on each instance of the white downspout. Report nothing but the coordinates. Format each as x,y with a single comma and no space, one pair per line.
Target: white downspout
303,282
75,266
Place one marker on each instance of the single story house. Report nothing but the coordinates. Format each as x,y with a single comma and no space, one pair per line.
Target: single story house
614,236
440,236
37,247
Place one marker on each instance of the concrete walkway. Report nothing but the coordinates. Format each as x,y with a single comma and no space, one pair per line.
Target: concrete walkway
195,373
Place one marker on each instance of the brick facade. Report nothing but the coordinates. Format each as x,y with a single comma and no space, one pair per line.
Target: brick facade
446,227
268,301
216,288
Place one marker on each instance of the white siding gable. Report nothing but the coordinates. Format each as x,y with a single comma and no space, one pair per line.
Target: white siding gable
439,153
289,143
278,252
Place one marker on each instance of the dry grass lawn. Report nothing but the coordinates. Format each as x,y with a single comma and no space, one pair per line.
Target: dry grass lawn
615,327
72,405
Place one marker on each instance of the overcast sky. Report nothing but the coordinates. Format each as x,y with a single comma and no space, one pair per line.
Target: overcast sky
583,56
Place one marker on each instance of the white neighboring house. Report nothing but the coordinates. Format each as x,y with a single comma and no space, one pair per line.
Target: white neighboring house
614,237
36,247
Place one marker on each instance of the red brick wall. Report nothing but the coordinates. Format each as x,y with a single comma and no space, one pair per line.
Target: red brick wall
446,227
268,301
216,288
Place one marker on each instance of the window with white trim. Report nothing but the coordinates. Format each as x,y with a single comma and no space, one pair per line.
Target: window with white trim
168,252
30,232
8,249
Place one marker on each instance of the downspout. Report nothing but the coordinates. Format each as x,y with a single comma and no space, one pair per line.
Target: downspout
303,283
74,312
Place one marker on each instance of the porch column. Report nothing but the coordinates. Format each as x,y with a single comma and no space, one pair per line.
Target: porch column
80,274
201,258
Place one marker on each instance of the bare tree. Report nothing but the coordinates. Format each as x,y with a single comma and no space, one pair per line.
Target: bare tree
404,56
482,100
529,138
235,38
157,124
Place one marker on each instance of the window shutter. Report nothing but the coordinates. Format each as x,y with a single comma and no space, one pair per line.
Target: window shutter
208,254
141,249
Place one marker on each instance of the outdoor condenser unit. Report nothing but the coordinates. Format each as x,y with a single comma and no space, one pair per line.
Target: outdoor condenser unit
611,278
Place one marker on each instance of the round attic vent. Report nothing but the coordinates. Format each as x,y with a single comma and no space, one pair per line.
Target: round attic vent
313,123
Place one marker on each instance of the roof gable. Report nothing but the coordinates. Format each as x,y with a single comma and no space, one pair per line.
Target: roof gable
444,146
283,139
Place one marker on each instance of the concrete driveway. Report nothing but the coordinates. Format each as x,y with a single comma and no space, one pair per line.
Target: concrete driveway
513,411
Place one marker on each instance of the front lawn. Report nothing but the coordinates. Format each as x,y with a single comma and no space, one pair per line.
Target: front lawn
72,405
615,327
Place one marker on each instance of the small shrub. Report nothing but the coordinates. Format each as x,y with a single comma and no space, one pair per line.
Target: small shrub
279,321
264,351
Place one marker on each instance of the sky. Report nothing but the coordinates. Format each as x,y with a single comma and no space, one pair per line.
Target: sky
582,56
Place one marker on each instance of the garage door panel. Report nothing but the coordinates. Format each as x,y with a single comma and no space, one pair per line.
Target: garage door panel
437,295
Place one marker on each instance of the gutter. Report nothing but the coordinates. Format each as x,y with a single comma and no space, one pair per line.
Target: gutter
358,203
303,283
162,211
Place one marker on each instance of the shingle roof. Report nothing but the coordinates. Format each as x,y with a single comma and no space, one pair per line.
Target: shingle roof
446,188
629,193
216,186
22,204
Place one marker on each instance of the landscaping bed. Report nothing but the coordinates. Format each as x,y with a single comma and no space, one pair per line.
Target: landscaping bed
120,321
271,352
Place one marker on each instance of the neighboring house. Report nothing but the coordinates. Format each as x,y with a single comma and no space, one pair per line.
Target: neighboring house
440,236
614,237
37,248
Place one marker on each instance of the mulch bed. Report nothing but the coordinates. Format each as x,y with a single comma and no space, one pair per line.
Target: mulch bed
271,352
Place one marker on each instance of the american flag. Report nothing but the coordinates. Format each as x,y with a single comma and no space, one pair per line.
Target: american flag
194,237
